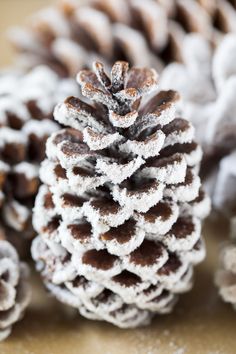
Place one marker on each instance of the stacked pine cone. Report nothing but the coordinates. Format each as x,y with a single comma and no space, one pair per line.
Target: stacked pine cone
225,278
69,36
26,107
119,213
207,82
14,288
226,275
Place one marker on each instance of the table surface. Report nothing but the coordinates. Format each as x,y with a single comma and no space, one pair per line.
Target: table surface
200,323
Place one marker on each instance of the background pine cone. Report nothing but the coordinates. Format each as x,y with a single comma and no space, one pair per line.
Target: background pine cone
26,106
14,288
226,275
207,83
119,214
148,33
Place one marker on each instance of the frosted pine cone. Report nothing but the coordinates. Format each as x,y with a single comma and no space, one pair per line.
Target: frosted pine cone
14,288
26,107
222,185
119,214
226,275
207,83
70,35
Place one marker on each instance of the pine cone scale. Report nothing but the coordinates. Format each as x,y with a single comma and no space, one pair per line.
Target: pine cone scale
14,288
66,37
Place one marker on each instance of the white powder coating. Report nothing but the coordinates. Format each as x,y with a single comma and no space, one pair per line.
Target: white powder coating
7,107
133,43
179,136
158,225
103,223
41,129
183,244
4,167
41,85
200,208
67,115
185,77
121,249
153,16
98,141
8,81
80,184
15,289
44,215
27,101
119,214
16,215
53,19
147,148
194,157
48,175
224,187
225,276
27,40
158,35
140,201
90,20
71,54
123,121
198,15
8,136
208,100
197,254
162,117
184,192
28,169
222,110
223,65
118,172
172,172
118,9
69,212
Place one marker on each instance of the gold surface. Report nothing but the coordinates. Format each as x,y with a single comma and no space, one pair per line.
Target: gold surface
200,324
13,13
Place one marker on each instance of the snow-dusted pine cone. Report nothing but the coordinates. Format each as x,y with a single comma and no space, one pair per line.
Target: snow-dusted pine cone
226,276
207,83
14,288
222,186
26,111
149,33
119,214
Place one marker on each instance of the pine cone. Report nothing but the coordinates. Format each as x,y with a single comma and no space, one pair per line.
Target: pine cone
26,107
119,214
226,276
70,36
14,288
207,83
222,186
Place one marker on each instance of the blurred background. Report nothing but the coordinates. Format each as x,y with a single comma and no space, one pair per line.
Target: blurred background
12,13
